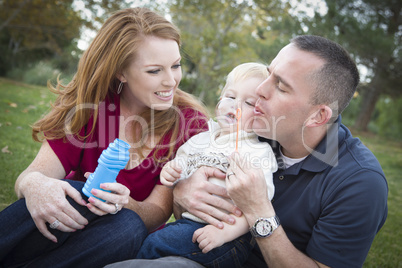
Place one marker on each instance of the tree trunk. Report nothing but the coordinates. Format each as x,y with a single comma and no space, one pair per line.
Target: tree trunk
370,96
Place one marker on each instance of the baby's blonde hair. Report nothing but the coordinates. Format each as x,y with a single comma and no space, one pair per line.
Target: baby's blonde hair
246,70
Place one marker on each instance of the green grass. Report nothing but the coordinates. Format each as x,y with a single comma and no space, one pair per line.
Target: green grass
21,105
386,250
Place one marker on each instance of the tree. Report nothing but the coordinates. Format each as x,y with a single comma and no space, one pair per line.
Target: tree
35,29
275,26
216,37
372,31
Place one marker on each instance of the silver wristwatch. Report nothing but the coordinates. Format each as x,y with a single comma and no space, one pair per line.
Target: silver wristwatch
264,227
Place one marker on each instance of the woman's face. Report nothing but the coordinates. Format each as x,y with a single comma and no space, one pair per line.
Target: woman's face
153,76
242,95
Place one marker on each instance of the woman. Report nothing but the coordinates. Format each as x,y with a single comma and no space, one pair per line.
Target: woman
126,87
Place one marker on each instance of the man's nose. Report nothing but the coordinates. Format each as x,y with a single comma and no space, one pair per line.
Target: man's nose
263,89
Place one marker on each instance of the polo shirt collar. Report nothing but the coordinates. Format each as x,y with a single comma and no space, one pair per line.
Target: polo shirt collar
323,156
326,153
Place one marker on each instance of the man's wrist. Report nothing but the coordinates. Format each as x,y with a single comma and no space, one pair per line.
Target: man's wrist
264,209
265,227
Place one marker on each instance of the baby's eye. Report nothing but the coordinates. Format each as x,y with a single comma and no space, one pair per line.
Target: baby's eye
251,104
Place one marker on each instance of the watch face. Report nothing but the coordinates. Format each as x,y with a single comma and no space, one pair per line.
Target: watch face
263,228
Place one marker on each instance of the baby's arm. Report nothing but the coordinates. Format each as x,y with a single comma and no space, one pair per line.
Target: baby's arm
210,237
170,173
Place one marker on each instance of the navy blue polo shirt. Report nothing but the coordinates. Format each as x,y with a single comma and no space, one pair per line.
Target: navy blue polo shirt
332,204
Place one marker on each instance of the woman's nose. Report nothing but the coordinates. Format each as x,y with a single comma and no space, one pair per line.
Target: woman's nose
169,79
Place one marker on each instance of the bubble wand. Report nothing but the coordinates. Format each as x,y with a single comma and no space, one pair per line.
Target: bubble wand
238,116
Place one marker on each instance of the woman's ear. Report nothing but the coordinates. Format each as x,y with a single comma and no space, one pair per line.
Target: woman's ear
319,117
121,78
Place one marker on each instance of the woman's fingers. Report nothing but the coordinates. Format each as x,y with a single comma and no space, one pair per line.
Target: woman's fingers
48,204
42,227
111,202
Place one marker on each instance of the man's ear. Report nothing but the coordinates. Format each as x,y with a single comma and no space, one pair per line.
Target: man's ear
319,117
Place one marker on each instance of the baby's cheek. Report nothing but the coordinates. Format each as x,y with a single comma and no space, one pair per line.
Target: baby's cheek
247,122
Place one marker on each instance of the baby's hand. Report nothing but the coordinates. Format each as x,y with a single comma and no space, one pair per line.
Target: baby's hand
170,173
208,238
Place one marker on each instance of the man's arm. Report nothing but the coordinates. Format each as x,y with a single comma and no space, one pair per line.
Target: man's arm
201,198
248,190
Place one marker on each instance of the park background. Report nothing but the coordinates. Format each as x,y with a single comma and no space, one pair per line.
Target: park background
43,39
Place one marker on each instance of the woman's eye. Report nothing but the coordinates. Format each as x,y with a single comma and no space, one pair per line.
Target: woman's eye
154,71
176,66
250,103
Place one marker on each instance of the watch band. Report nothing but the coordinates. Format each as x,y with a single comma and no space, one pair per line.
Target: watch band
273,222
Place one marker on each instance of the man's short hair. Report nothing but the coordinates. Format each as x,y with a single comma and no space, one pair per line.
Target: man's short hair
336,81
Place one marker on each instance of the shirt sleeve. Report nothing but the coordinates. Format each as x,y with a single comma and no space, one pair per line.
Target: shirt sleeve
260,155
196,122
191,123
182,157
68,150
351,216
269,166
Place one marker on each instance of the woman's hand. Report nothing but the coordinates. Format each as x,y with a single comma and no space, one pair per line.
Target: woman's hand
115,200
46,202
45,194
201,198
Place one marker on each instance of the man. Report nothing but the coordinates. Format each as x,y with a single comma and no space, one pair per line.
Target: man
330,192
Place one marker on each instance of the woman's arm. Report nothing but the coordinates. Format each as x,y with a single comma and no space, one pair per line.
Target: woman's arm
45,194
46,163
156,209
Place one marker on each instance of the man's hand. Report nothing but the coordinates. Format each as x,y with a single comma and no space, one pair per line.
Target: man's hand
202,198
247,188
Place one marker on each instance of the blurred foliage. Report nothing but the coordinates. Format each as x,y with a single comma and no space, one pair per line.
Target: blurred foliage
33,30
371,31
38,41
216,37
389,117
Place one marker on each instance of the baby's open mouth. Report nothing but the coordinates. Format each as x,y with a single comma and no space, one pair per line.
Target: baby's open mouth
231,116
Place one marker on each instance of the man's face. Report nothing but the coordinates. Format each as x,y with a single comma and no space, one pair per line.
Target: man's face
284,97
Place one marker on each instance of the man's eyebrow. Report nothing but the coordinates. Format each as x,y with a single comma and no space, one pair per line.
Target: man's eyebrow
280,79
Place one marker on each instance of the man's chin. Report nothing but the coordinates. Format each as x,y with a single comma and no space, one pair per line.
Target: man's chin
261,132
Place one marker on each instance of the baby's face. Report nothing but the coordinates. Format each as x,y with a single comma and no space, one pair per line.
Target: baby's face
240,94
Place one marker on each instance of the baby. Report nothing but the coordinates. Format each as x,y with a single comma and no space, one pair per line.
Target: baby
211,148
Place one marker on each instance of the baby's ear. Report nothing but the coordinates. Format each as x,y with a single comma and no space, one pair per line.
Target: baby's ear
319,117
